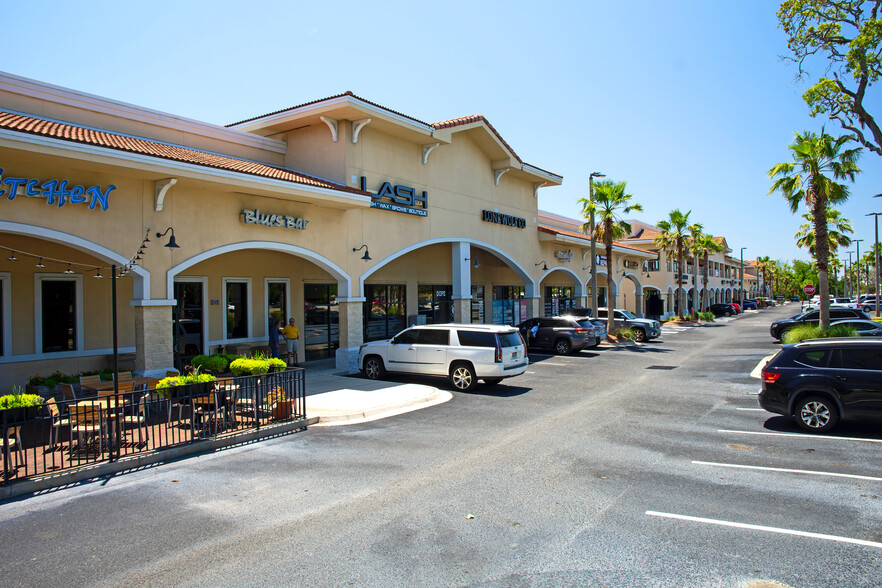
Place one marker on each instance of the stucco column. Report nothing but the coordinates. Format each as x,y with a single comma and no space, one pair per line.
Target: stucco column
581,301
639,301
462,310
533,306
153,337
351,312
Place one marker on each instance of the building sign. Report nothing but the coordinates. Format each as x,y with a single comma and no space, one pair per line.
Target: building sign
630,264
398,198
492,216
57,192
255,217
564,255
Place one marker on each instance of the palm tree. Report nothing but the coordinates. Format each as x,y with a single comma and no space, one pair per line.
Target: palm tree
762,267
805,180
837,227
702,246
610,202
675,233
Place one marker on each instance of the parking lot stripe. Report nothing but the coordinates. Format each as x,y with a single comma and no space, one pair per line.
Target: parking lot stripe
806,435
752,409
787,471
779,530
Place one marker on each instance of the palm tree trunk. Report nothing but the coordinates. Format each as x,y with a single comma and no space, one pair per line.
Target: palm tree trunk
822,248
681,299
696,304
704,295
610,284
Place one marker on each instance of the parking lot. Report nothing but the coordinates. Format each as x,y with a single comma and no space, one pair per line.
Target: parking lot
646,465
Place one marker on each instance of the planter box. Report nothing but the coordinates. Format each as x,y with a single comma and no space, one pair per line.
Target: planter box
283,410
19,415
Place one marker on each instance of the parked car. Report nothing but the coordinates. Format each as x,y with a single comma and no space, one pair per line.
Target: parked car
599,325
863,328
464,353
644,329
868,304
822,381
189,337
813,317
723,309
561,334
794,299
749,304
736,306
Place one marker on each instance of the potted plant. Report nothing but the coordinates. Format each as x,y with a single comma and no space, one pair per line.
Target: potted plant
50,385
19,407
282,406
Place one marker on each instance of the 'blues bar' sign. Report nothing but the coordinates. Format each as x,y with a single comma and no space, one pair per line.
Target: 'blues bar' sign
57,192
398,199
254,217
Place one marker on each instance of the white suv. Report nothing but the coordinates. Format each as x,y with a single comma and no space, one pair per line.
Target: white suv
464,353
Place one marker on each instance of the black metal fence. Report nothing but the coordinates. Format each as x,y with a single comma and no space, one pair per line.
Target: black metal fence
99,427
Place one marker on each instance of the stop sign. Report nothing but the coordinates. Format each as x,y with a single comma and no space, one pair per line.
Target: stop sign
809,289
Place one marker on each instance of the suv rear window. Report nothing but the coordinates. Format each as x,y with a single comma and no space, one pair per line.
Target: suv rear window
478,339
812,358
434,337
512,339
861,359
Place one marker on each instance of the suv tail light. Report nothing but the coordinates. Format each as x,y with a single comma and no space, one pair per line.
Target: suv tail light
770,377
581,330
497,357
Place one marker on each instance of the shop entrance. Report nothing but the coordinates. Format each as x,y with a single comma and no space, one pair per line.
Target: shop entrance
434,304
187,323
559,299
509,306
321,320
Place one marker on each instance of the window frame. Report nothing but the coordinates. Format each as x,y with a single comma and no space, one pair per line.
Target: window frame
249,303
80,334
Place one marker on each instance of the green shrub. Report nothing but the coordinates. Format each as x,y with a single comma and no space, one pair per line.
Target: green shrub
19,400
165,384
627,334
244,366
276,362
706,316
214,363
53,379
805,332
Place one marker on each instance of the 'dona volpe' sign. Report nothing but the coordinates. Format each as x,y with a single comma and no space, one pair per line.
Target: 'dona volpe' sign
255,217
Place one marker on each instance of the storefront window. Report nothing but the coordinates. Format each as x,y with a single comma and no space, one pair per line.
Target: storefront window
277,301
59,315
509,306
187,318
385,311
559,299
478,305
434,304
322,319
237,310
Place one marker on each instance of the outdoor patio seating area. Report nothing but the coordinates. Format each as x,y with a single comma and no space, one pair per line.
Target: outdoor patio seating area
93,425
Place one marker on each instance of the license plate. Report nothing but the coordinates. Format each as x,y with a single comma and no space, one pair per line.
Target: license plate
514,354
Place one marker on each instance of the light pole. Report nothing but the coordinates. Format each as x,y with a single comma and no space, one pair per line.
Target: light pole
593,247
741,286
850,268
876,249
858,259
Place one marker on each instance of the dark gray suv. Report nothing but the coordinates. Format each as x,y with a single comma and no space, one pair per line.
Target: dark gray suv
561,334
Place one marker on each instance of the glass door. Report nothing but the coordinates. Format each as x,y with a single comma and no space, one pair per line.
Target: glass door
321,320
187,323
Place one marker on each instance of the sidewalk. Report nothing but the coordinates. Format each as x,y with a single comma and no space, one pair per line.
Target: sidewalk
335,398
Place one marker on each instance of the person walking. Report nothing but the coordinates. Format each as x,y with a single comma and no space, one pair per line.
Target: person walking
274,329
292,334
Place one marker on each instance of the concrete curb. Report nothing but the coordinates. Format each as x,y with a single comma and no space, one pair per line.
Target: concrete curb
373,405
95,472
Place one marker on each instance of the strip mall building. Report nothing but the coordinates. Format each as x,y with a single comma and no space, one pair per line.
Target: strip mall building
352,218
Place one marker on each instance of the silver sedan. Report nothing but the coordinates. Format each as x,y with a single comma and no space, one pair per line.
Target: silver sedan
864,328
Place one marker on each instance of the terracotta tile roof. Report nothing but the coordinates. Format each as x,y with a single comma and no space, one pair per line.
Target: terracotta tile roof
556,231
69,132
465,120
346,93
644,234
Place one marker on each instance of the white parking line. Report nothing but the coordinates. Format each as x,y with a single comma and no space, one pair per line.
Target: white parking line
806,435
787,471
779,530
752,409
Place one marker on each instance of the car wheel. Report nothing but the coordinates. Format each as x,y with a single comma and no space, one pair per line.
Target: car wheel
816,414
727,313
374,368
492,381
562,347
462,376
639,335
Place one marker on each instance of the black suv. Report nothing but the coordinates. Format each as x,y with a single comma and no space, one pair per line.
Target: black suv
561,334
822,381
813,317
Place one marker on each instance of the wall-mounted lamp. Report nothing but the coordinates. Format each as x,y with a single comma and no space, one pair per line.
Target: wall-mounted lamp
366,256
474,265
68,270
12,257
171,240
40,263
97,273
544,266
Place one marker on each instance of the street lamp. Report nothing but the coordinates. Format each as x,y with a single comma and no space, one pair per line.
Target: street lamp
741,287
849,268
876,214
858,259
593,246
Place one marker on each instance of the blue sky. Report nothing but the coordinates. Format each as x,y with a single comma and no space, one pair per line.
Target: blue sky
687,100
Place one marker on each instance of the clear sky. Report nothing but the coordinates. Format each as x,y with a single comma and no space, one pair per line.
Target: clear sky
686,100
